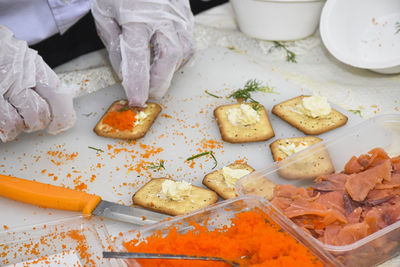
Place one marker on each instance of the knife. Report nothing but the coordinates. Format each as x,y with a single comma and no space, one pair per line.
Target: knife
57,197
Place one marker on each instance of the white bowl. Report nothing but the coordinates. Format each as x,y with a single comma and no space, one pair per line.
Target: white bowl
278,20
362,33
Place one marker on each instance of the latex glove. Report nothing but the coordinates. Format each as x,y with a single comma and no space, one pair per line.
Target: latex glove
147,41
31,95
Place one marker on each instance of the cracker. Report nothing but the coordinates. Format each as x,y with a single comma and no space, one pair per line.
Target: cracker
288,112
259,131
149,197
151,110
306,164
216,182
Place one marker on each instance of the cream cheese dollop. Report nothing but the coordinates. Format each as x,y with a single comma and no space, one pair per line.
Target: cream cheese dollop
140,117
315,106
175,190
292,148
231,176
243,115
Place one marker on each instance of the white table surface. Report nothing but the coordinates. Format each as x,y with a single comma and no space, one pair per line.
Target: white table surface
214,68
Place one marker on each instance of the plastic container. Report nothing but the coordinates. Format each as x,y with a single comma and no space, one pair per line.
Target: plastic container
219,215
39,242
278,20
381,131
369,39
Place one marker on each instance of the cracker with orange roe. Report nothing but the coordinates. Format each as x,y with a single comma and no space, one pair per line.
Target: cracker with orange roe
124,122
252,239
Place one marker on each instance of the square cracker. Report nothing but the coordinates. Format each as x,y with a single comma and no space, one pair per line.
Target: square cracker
306,164
151,110
148,197
287,111
216,182
260,131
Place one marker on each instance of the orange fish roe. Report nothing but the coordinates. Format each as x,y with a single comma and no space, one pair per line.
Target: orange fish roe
253,239
121,120
59,157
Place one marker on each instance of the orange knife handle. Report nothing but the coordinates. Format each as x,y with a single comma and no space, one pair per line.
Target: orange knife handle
48,196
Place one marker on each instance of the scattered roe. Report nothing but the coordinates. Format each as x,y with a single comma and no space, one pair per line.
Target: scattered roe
121,120
251,234
82,247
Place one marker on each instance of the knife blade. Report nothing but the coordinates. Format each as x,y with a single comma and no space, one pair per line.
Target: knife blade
57,197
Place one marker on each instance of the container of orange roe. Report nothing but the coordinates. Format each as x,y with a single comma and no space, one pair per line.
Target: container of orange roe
245,230
75,241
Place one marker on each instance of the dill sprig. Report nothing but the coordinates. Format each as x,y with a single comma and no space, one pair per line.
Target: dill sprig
397,27
156,166
211,153
87,114
244,93
97,149
290,55
124,108
356,112
208,93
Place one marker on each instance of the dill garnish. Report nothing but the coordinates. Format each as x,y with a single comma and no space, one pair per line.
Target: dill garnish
124,108
290,55
208,93
256,106
156,167
204,154
97,149
356,112
87,114
244,93
397,26
231,47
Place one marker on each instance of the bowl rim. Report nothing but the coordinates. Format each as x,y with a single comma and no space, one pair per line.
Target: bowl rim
289,1
329,43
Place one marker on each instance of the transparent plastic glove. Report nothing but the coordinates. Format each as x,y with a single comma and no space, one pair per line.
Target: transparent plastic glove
147,41
31,95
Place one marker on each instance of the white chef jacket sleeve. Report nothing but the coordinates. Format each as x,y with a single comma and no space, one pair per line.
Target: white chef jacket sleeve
34,21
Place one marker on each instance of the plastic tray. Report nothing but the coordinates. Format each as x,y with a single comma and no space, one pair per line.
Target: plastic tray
77,234
219,215
381,131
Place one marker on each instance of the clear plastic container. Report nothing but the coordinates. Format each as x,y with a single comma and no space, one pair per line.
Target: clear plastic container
220,214
38,242
381,131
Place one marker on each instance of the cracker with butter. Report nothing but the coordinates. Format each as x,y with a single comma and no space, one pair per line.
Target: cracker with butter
310,114
124,122
173,197
243,122
307,165
223,181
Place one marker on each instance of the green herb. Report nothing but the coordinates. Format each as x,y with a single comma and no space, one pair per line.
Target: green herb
290,55
231,47
251,86
87,114
97,149
156,167
124,108
256,106
397,26
208,93
356,112
204,154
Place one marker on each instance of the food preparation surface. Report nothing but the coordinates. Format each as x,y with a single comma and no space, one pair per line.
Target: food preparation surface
185,127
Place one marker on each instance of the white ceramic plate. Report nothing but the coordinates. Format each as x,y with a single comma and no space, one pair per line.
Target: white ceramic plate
363,33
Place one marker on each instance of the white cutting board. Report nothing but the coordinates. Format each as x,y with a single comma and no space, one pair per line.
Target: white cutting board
185,121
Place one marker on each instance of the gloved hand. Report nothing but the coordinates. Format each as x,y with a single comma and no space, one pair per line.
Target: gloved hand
31,95
147,41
